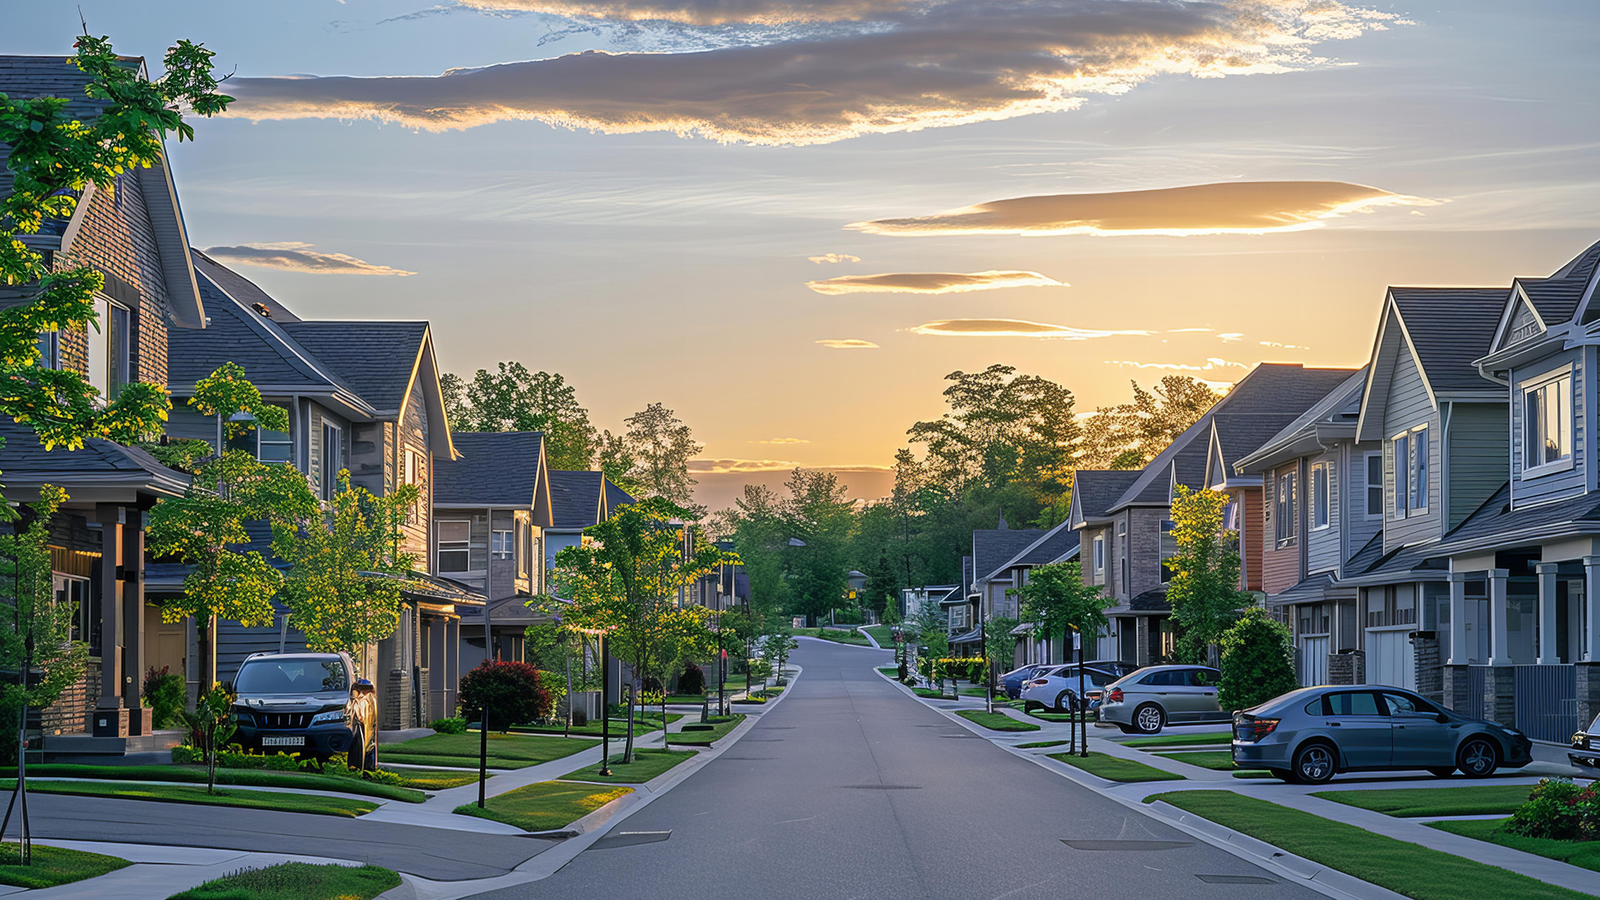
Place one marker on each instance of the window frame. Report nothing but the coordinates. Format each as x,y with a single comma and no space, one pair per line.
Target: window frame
1286,515
1099,545
1373,512
440,549
1412,452
1164,534
499,537
109,348
1320,514
1530,386
331,463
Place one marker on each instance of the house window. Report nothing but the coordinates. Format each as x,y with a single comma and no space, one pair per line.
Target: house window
524,548
264,444
455,545
1319,496
1169,548
501,546
1374,485
1121,550
1410,453
1313,618
1099,553
1230,514
1547,422
74,591
958,617
1285,508
412,473
108,348
1392,605
49,349
332,459
1418,469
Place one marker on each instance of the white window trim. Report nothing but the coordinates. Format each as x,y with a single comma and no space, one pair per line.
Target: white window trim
1402,469
510,540
439,542
1278,536
329,478
1099,545
1565,463
1327,497
1367,485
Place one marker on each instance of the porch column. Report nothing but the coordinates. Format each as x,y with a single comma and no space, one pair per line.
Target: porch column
1458,619
111,518
1499,615
1141,648
1548,652
133,651
1591,609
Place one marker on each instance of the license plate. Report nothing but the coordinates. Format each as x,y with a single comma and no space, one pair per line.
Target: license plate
291,741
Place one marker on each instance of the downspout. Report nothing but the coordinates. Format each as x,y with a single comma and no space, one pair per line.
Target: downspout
1446,413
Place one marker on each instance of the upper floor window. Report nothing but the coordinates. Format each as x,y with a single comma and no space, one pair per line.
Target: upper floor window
332,459
49,349
455,545
1374,463
1286,508
109,348
1410,452
501,546
1547,421
1099,553
1320,515
1168,547
265,445
413,469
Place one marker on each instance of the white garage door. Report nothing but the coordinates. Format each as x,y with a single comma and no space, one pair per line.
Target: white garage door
1390,660
1313,661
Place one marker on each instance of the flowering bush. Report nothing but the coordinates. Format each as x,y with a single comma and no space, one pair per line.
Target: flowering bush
1560,810
510,690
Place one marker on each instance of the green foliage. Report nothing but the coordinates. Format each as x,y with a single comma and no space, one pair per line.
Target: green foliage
1559,809
165,693
998,644
514,399
651,459
297,881
510,690
211,726
1204,588
1056,600
347,569
234,757
51,866
692,680
449,726
1257,661
776,645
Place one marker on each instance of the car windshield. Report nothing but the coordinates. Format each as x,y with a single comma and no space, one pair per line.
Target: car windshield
301,675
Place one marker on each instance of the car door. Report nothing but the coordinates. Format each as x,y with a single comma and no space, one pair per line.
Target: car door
1175,694
1420,740
1361,728
1202,689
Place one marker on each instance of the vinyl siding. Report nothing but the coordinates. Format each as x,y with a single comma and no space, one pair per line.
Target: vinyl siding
1251,522
187,423
1409,407
1556,484
235,642
1358,527
1478,457
1280,566
1323,547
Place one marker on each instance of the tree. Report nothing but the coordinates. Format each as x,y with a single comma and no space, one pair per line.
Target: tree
999,648
818,518
624,581
1129,435
882,587
1001,428
1257,661
654,456
1056,601
53,157
205,529
347,568
514,399
212,724
510,691
776,645
1204,585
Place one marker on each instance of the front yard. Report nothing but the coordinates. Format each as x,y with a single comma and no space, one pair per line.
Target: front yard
545,806
1115,768
995,721
506,751
297,881
182,793
1413,803
1584,854
52,866
647,764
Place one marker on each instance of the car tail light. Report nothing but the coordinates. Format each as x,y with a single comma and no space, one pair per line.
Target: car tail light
1115,696
1255,729
1038,682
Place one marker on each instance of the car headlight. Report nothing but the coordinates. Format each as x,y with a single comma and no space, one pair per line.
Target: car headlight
243,718
330,717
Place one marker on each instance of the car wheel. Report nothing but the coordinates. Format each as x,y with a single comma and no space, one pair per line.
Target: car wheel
1127,729
1149,719
1065,702
1029,706
1314,763
1478,757
1441,771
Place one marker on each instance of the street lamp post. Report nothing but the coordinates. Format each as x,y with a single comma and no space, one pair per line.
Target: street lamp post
605,697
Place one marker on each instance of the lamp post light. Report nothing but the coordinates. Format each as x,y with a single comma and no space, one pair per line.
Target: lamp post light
605,697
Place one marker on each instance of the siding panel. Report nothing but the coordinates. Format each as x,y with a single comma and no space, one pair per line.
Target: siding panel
1559,484
1409,407
1323,547
1477,457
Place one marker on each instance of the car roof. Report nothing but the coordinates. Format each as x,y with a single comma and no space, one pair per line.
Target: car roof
300,654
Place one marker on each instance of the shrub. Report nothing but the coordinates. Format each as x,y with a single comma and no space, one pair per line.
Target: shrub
692,681
1560,810
760,669
555,684
236,757
1257,661
510,691
650,685
651,698
165,694
449,726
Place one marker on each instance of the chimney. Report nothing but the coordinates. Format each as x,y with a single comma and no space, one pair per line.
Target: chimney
264,310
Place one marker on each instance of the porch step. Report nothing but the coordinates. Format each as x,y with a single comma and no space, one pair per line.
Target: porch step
141,749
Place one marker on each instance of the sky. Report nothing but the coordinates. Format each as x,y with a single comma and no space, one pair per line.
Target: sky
789,221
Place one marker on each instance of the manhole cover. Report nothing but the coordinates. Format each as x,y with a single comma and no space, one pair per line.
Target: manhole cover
881,787
1236,879
629,839
1127,845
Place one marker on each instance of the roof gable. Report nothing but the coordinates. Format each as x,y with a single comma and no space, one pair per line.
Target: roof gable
1444,330
494,468
577,499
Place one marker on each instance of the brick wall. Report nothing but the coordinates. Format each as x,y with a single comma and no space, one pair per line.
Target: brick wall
1347,668
1499,695
1455,690
396,711
1429,674
1144,549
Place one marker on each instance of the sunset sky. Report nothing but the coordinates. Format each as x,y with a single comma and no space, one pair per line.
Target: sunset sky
789,220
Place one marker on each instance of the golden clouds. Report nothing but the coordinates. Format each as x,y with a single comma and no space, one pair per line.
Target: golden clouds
296,256
1015,328
931,282
848,344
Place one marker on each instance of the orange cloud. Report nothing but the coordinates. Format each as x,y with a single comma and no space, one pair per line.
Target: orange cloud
834,258
1015,328
931,282
848,344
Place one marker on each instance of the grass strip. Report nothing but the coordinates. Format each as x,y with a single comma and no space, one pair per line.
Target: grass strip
506,751
297,881
883,634
1411,803
1400,866
306,781
183,793
647,764
838,637
52,866
544,806
641,724
1055,717
1115,768
1216,760
1180,740
1583,854
719,730
891,671
435,779
1035,745
995,721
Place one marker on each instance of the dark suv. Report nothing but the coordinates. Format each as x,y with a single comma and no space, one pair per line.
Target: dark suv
306,704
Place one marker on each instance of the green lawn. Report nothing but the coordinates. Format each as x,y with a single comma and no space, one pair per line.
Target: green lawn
882,634
1584,854
891,671
544,806
974,692
930,694
297,881
719,730
1180,740
1035,745
435,779
643,724
183,793
646,765
995,721
1411,803
235,777
506,751
1114,768
52,866
838,637
1218,760
1400,866
1054,717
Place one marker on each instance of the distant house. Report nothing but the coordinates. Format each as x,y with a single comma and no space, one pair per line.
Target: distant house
1055,545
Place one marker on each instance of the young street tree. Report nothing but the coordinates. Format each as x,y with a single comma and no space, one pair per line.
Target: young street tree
999,649
1204,587
514,399
206,528
625,580
652,458
1057,602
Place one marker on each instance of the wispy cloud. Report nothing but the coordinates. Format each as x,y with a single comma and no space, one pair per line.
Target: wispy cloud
1229,337
1186,330
299,257
1210,365
931,282
1234,207
932,64
718,466
706,12
783,440
1282,345
834,258
848,344
1015,328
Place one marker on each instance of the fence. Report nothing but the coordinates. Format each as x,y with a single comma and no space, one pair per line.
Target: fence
1547,702
1477,685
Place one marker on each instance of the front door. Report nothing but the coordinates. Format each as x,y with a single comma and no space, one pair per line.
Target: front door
1391,659
1420,740
1314,661
1361,728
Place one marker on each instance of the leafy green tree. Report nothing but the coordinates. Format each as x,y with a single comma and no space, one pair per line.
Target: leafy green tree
514,399
1057,602
776,645
347,568
1204,587
819,518
1257,661
205,528
54,157
882,587
652,458
1129,435
999,649
761,532
212,724
35,630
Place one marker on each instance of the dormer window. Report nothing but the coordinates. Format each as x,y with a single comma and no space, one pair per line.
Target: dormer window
1547,422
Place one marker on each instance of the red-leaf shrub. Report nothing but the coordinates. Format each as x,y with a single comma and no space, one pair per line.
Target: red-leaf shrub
510,690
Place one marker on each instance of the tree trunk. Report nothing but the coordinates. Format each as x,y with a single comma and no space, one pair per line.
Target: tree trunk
633,693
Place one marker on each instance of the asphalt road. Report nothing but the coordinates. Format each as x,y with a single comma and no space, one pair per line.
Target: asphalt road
849,788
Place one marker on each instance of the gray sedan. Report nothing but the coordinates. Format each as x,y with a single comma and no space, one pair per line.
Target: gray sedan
1151,698
1309,735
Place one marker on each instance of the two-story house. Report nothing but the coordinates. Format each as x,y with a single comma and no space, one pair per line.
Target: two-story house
989,591
1001,586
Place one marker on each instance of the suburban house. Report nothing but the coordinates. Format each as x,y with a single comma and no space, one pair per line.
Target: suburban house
491,505
1058,544
134,236
987,590
362,396
577,501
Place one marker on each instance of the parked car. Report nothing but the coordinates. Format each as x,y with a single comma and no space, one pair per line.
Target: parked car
305,704
1149,699
1056,688
1586,749
1012,681
1312,734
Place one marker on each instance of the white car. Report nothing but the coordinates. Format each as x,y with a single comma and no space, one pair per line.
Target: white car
1056,688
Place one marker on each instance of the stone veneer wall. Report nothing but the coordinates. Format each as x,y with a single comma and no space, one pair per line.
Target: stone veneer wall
1429,674
396,711
1499,695
1347,668
1588,693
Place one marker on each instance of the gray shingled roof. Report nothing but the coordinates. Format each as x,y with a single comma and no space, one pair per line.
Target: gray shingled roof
241,335
496,467
26,461
994,547
1496,522
1342,400
1450,328
241,288
575,498
617,497
1239,436
1097,489
375,358
1557,297
1052,546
